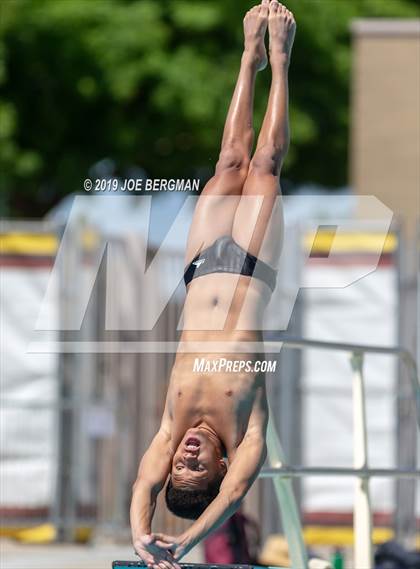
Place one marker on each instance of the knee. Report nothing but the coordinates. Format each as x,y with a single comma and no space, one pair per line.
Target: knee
267,161
232,158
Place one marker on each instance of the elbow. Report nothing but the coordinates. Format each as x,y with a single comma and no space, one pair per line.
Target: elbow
145,486
135,486
140,484
237,498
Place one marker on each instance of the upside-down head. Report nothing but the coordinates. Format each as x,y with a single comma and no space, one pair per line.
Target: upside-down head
197,472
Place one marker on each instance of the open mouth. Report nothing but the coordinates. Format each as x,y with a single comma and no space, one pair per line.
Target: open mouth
192,444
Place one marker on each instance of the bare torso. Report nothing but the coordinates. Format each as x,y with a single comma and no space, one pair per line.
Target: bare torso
223,400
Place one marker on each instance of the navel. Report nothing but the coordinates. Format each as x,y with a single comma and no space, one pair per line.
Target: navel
229,393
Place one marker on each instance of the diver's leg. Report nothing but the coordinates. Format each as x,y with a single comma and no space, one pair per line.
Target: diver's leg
252,228
215,210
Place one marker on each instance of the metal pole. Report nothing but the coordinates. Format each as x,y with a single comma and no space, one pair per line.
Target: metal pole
362,521
406,432
300,471
64,509
286,500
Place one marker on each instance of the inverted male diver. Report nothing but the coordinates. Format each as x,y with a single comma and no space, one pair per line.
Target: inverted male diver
211,443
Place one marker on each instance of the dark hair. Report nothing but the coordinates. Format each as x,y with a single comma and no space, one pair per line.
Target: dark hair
190,504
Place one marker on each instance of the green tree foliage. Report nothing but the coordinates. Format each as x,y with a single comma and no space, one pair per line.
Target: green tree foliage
148,83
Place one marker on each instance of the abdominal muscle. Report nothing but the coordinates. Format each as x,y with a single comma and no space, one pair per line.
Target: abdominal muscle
224,305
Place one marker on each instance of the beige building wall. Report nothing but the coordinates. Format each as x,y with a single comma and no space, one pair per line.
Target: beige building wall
385,137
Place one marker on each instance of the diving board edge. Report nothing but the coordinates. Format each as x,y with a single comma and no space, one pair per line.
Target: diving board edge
131,564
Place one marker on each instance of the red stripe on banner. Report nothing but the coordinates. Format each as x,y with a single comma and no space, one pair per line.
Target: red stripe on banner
21,261
384,519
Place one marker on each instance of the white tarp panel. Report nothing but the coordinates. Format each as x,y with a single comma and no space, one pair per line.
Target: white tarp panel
363,313
27,382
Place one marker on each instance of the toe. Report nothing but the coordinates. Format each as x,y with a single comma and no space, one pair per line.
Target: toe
264,7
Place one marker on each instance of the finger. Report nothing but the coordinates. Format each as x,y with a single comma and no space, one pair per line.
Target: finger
144,556
165,545
164,537
147,558
171,563
179,554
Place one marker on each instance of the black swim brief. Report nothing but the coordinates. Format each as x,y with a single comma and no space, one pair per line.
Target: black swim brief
226,256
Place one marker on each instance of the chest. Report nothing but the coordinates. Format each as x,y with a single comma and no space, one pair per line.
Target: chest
216,387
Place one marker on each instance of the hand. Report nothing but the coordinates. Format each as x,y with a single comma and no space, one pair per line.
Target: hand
155,552
179,546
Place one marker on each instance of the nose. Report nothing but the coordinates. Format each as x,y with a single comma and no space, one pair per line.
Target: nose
190,459
191,451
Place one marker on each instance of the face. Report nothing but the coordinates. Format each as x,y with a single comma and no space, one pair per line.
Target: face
197,461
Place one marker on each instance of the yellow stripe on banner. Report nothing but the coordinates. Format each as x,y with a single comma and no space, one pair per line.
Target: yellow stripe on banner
341,536
45,244
45,533
321,242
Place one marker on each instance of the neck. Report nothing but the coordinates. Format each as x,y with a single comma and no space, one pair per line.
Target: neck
214,437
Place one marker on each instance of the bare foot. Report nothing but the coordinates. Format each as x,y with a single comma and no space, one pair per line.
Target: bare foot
282,28
255,26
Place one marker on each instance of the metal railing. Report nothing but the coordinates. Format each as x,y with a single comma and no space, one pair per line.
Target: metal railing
281,474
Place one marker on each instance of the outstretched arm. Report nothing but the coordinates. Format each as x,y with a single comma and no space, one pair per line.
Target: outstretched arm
152,474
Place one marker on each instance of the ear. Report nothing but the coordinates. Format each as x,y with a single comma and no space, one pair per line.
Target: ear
223,466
